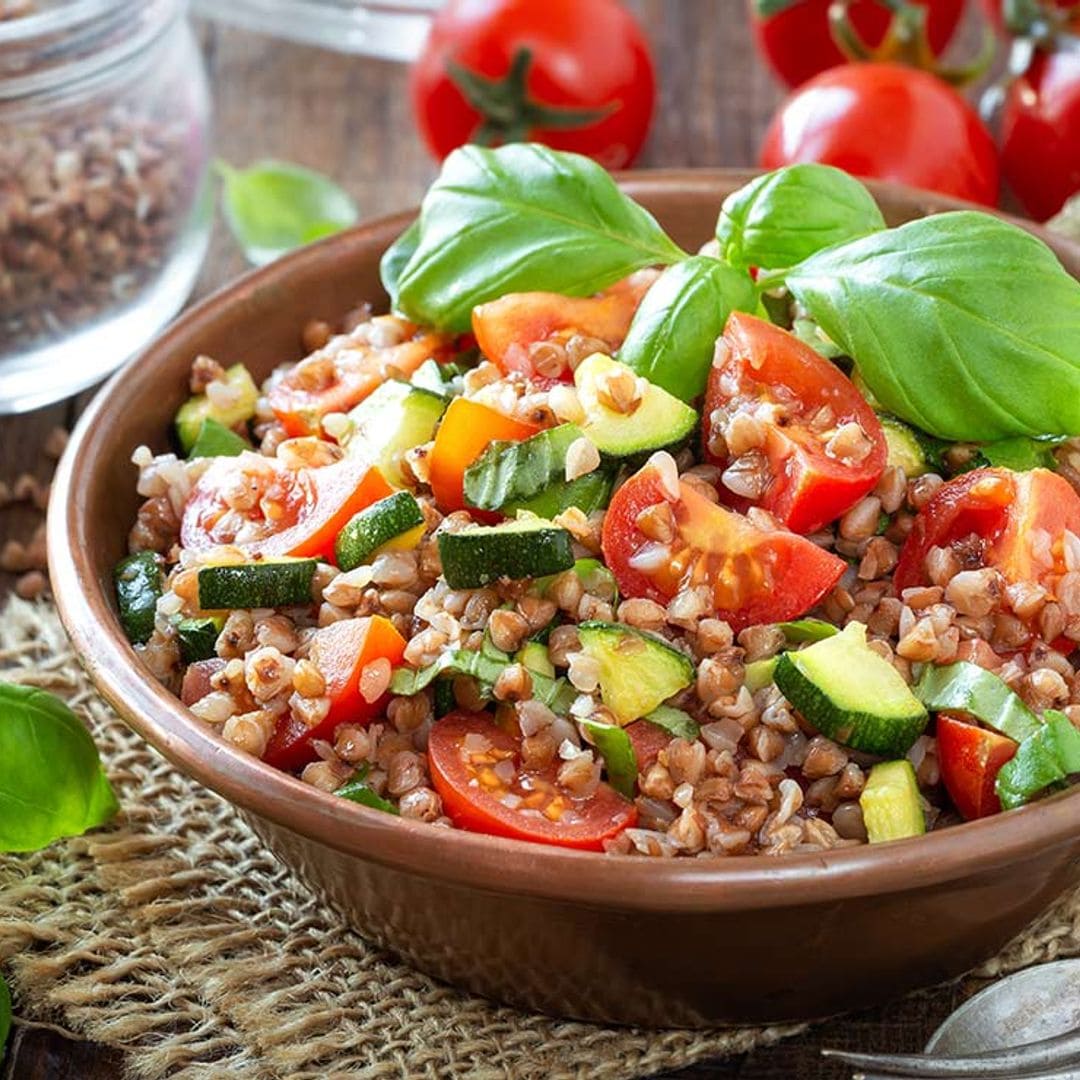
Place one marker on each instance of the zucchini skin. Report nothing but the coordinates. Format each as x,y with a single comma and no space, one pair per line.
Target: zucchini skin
269,584
376,526
198,637
476,557
140,583
883,736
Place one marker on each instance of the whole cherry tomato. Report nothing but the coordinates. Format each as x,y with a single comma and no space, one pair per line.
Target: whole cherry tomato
797,43
574,74
1040,130
804,444
889,122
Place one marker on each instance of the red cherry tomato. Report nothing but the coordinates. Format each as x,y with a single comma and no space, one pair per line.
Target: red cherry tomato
288,511
574,74
797,401
889,122
647,739
342,652
347,370
507,329
970,758
476,769
1040,132
1015,522
797,42
656,546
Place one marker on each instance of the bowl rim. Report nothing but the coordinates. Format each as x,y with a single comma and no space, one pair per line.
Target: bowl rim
455,857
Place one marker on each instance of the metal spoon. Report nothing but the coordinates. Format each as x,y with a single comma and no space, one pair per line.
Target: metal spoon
1025,1025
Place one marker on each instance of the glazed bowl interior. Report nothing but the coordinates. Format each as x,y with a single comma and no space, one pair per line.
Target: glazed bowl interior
257,321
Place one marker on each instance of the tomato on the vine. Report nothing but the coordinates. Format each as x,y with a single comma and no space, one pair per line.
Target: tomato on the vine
485,787
1040,131
889,122
796,41
573,74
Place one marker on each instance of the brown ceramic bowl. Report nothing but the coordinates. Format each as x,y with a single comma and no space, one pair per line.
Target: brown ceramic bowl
642,941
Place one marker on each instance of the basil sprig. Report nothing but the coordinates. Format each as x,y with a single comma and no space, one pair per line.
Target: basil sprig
51,780
960,323
674,331
522,217
786,216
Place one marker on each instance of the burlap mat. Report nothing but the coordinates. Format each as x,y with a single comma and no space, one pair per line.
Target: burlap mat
174,934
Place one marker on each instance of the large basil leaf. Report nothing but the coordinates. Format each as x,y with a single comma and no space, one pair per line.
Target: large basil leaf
786,216
396,258
674,332
522,217
51,781
961,323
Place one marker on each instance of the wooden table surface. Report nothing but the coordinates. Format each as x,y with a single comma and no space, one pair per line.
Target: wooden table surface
349,117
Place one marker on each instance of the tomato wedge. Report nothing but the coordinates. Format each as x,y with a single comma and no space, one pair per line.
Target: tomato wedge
464,433
648,740
970,758
1012,521
804,443
341,651
349,368
288,511
755,575
507,329
466,756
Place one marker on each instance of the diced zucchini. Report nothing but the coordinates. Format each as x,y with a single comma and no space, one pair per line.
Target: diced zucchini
395,523
1043,760
891,803
190,416
675,722
139,584
658,421
909,449
198,637
270,583
528,547
760,673
534,657
446,380
615,748
395,418
638,671
968,688
216,440
852,694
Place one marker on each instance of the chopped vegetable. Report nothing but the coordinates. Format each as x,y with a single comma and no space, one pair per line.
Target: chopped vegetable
266,584
139,584
891,804
968,688
618,753
234,406
395,523
216,440
358,790
529,547
1043,760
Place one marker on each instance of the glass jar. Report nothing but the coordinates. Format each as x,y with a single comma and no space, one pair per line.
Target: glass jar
105,207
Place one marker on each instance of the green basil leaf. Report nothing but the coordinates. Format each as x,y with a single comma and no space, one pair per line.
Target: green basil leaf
522,217
786,216
961,324
1020,453
275,206
801,630
673,335
617,751
358,790
5,1015
675,722
396,258
51,780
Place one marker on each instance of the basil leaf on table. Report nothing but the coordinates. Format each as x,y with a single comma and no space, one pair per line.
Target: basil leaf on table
962,324
522,217
786,216
51,780
396,258
673,335
275,206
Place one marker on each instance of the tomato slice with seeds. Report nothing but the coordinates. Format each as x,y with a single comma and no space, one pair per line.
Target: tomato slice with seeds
510,330
476,769
804,443
970,758
356,658
258,504
1015,522
657,546
464,433
351,367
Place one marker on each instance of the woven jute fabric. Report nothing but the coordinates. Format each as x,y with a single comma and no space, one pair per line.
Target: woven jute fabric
174,934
